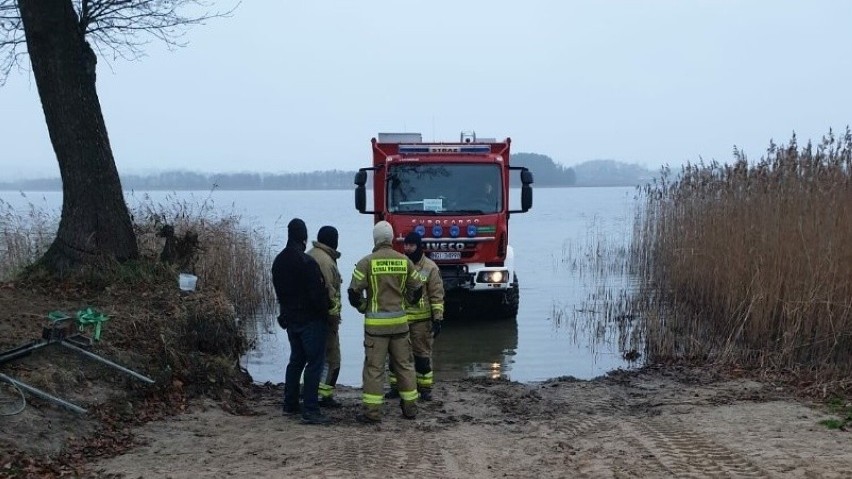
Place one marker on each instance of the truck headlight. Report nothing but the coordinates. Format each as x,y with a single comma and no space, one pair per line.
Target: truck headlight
500,276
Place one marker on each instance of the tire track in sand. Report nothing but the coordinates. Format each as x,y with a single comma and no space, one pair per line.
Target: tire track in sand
686,453
368,452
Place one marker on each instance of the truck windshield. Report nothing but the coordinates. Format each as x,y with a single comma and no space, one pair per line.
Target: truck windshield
445,188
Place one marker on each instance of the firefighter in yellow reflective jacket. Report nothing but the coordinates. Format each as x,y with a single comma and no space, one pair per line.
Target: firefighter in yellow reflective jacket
326,254
389,279
424,317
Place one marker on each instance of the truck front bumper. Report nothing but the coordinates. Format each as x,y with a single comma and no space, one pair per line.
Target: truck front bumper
460,279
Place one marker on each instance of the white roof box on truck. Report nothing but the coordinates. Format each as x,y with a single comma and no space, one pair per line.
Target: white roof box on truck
400,138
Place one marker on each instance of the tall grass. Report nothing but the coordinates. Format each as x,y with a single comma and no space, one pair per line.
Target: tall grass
751,263
601,263
234,257
24,236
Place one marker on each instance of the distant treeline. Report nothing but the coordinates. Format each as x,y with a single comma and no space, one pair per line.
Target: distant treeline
186,180
612,173
546,172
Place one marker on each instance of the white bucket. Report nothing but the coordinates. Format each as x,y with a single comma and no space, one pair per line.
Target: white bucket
186,282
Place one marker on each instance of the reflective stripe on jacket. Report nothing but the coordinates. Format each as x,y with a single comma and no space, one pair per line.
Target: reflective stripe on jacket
388,277
431,304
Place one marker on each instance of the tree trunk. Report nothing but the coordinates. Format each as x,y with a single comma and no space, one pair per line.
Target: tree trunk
95,221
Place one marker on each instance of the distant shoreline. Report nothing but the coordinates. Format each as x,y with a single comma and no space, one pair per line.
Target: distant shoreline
131,190
547,174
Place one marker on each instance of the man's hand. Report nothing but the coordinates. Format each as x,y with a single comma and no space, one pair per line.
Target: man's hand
436,328
282,321
355,298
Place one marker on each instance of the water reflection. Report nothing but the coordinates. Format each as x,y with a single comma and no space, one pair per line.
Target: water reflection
475,347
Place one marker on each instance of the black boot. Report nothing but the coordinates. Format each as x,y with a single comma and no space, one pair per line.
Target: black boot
392,394
329,402
409,409
316,418
291,409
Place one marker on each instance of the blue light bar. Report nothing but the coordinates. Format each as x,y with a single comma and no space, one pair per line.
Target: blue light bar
438,149
408,150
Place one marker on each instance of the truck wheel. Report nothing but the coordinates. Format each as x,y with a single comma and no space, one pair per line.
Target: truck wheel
511,299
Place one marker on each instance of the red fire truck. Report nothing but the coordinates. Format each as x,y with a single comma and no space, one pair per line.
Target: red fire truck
455,196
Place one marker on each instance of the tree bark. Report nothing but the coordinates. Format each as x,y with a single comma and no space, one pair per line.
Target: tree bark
95,222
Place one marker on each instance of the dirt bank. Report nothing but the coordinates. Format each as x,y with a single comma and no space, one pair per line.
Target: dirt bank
658,422
653,423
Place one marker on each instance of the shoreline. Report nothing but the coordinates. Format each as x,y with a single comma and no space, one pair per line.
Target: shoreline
651,422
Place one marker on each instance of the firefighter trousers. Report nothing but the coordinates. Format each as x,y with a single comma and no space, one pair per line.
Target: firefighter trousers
331,370
421,347
377,350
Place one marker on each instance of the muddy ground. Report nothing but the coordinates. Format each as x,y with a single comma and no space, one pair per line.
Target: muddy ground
656,422
652,423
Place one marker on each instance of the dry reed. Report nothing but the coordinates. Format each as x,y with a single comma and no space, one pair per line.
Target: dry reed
24,236
233,257
751,264
601,260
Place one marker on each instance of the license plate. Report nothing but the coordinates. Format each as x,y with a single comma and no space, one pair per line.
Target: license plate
445,255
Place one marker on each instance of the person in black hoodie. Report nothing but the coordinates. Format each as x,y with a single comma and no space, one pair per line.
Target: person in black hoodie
303,305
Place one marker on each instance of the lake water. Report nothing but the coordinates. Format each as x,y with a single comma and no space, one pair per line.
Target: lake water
556,245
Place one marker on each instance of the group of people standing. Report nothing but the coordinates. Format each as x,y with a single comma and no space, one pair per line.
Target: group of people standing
402,299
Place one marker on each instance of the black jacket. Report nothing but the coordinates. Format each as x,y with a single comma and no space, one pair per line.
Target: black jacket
299,286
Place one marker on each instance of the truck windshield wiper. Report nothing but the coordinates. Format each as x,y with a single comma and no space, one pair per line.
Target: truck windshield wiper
418,212
465,212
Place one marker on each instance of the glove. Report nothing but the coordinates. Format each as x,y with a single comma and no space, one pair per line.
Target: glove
355,298
282,321
436,328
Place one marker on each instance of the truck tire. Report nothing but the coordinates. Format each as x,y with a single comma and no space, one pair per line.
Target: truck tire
511,299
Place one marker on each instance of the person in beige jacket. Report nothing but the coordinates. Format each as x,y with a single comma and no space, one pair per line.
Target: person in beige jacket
424,318
388,279
326,255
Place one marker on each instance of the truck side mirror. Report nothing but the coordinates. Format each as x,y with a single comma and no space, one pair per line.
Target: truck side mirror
361,178
361,191
526,195
526,189
361,196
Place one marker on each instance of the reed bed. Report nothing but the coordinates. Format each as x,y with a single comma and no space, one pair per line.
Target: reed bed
601,262
233,256
24,236
751,263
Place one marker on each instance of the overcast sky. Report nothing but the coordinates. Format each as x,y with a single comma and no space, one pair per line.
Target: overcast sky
300,86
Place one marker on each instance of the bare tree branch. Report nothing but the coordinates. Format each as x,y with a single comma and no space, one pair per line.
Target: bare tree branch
12,52
116,28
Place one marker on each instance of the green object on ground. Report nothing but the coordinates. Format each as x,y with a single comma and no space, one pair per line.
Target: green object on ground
85,317
57,316
94,317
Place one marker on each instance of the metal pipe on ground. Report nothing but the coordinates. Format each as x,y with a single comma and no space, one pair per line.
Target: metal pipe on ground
43,395
107,362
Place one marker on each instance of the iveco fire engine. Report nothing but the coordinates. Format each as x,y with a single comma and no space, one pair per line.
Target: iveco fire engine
455,196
